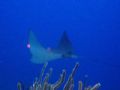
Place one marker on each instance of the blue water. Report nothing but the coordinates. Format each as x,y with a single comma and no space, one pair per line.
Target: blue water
93,27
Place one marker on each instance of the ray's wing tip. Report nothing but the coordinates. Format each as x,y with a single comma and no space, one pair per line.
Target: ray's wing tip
31,32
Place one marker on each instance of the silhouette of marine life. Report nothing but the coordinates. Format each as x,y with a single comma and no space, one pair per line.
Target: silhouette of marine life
41,55
65,45
43,83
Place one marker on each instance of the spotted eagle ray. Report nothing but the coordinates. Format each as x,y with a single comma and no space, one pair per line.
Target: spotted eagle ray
41,55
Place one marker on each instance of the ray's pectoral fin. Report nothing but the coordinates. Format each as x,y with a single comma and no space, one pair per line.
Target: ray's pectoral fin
39,53
65,46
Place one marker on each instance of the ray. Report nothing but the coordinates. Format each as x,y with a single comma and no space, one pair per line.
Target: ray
39,53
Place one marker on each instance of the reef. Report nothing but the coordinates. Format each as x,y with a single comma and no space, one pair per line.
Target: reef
42,83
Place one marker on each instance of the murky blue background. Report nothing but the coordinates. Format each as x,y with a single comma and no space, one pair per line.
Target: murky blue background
93,27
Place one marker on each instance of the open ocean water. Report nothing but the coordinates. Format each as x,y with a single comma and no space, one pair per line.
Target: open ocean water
93,27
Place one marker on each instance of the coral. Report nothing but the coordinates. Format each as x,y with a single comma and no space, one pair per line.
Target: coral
43,84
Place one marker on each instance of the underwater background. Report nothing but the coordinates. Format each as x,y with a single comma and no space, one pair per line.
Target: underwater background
93,27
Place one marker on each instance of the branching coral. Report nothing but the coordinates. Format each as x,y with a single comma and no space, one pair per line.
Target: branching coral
43,83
